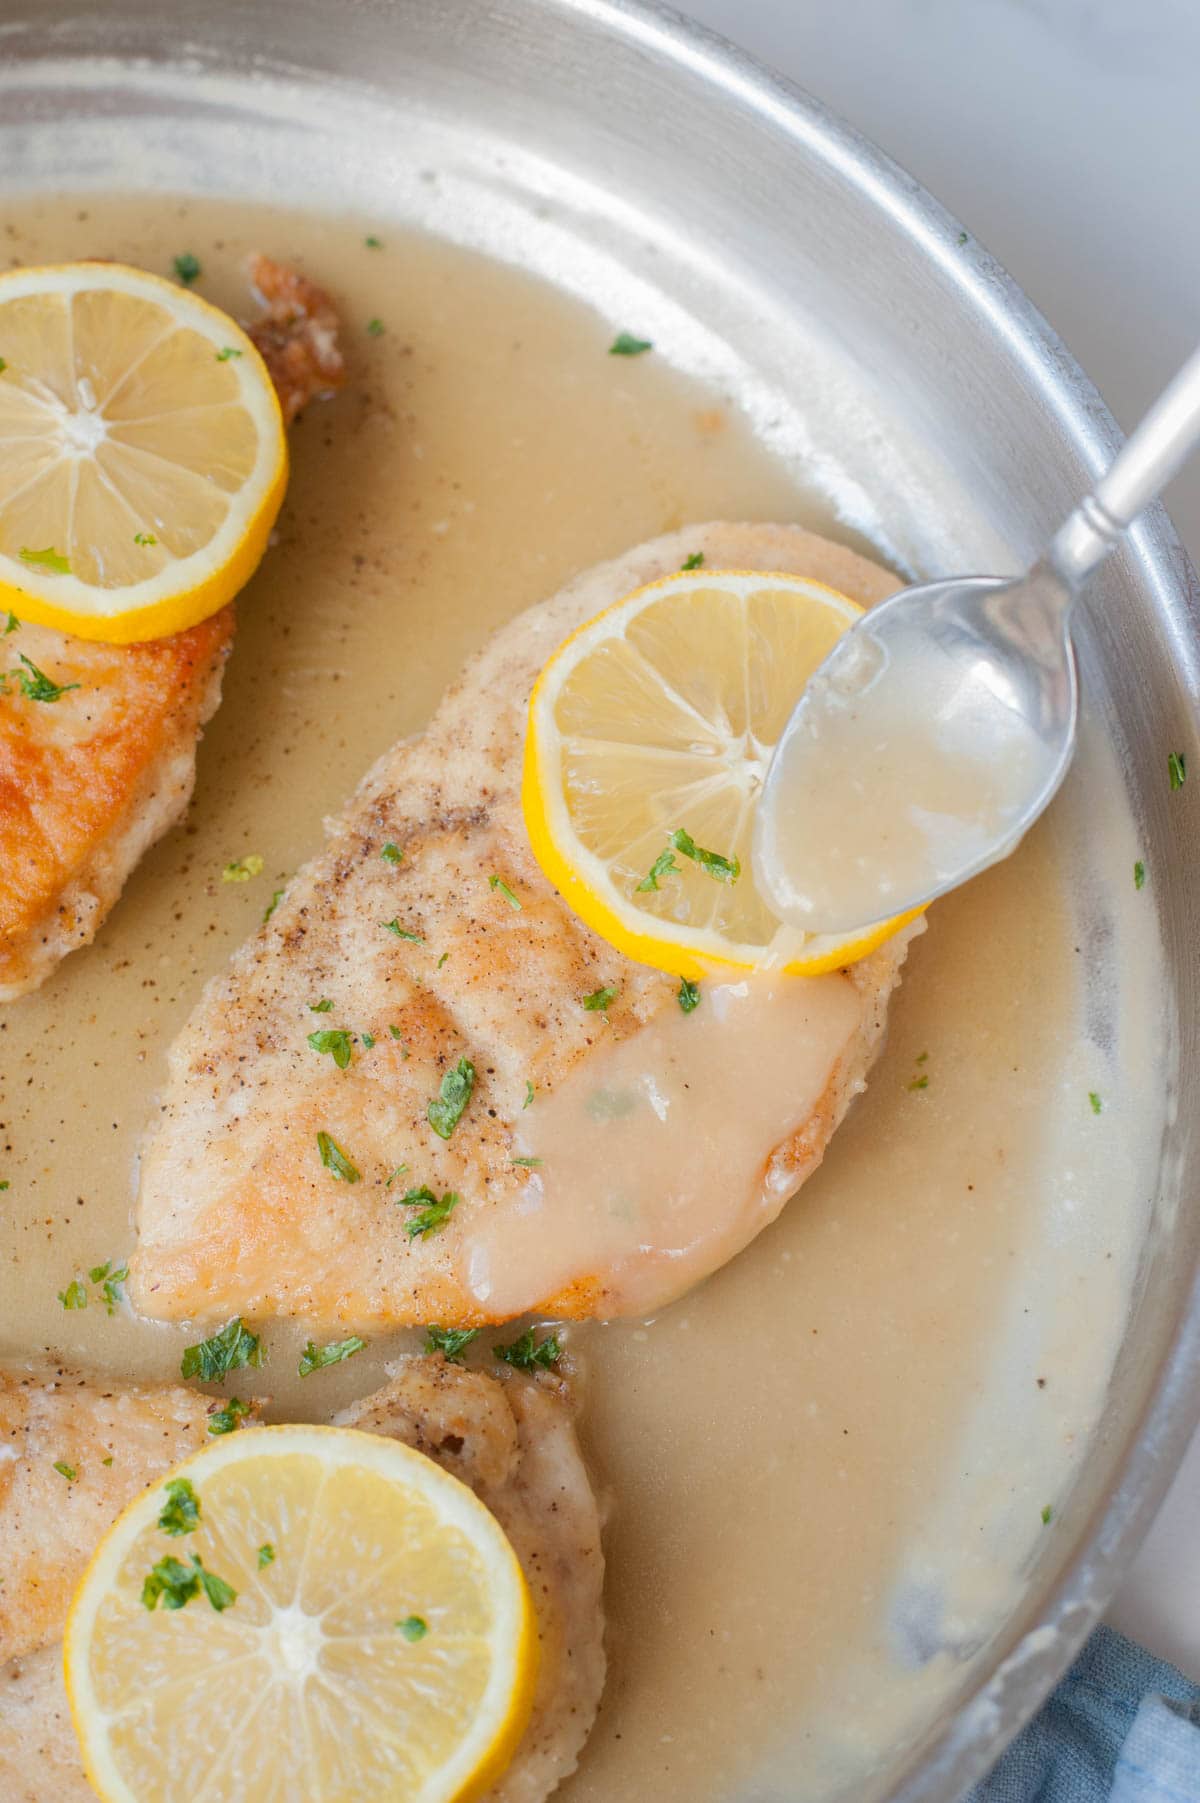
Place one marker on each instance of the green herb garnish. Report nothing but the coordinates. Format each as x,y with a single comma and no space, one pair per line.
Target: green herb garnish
725,870
243,869
324,1006
36,685
433,1215
144,538
530,1092
451,1342
226,1351
368,1040
315,1358
1139,875
395,1032
65,1470
626,345
442,959
530,1163
600,999
110,1281
373,243
225,1419
663,865
49,559
446,1109
693,562
186,267
74,1296
392,854
530,1354
266,1554
1097,1106
413,1627
180,1514
496,882
688,994
12,625
335,1160
1176,765
226,352
393,926
272,905
375,328
1047,1516
336,1042
174,1584
921,1082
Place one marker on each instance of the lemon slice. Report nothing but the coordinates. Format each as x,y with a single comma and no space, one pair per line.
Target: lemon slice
142,452
380,1642
650,729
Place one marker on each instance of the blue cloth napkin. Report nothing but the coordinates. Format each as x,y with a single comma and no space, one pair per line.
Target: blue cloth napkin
1122,1727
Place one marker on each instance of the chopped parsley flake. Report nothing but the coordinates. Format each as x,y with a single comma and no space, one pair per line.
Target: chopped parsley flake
272,905
399,1171
186,267
74,1296
496,882
266,1554
1096,1105
393,926
688,995
395,1032
226,1351
442,959
335,1160
174,1584
3,366
693,562
110,1281
180,1514
375,328
451,1342
1176,763
336,1042
433,1215
107,1461
1047,1516
12,625
922,1058
392,854
961,239
36,685
368,1040
49,559
663,865
65,1470
626,345
921,1082
373,243
725,870
529,1163
243,869
144,538
226,352
413,1627
1139,875
5,1184
600,999
446,1109
225,1419
324,1006
530,1092
530,1354
315,1358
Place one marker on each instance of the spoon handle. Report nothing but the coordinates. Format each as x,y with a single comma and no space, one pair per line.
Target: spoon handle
1151,455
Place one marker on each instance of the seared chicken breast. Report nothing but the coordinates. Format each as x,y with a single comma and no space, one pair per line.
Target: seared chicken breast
99,761
512,1441
292,1174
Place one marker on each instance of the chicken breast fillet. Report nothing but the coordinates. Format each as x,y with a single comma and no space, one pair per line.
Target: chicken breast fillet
240,1207
90,780
512,1441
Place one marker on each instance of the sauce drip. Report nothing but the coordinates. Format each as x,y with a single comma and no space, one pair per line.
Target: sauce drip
642,1157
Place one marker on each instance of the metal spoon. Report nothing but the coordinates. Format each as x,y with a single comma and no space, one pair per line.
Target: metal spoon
941,725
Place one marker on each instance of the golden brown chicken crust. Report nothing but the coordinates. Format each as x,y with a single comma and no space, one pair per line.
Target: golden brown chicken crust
89,781
236,1214
297,335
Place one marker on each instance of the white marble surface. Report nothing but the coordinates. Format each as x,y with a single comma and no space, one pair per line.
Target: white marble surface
1066,136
